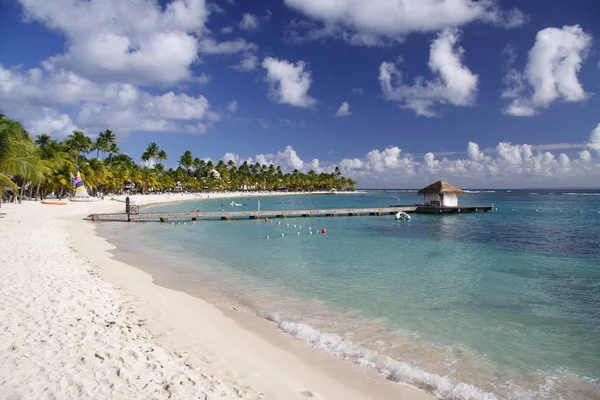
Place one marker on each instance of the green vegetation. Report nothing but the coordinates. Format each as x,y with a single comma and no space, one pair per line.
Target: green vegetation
40,166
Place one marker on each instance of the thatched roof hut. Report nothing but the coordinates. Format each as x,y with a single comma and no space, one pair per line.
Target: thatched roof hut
441,193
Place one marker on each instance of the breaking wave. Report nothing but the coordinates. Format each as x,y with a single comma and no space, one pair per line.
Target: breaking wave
397,371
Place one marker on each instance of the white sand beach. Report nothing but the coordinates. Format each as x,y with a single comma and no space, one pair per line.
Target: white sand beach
75,323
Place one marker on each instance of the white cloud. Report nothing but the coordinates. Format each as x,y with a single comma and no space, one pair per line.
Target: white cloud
122,41
248,63
551,72
249,22
594,142
299,31
210,46
288,159
231,157
288,82
385,19
357,91
343,110
506,165
226,29
232,107
50,102
51,123
455,83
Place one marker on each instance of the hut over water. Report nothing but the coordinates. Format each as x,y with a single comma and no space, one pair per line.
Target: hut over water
441,193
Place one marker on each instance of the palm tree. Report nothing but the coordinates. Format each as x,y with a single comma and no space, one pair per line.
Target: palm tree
151,152
18,157
109,139
100,144
42,140
78,143
161,156
112,149
187,160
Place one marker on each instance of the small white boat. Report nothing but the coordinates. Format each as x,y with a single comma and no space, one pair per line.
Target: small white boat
402,216
234,204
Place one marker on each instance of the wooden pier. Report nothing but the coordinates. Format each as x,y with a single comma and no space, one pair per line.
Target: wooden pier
325,212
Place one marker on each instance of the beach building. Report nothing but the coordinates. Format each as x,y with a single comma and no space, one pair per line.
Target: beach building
441,193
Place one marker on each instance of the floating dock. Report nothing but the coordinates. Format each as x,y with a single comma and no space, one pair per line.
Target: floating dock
260,214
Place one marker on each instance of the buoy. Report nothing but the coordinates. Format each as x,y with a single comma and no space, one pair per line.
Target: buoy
580,212
300,227
267,236
310,232
278,222
179,223
559,210
283,234
298,233
309,228
288,225
294,226
266,219
172,223
185,223
536,210
324,230
513,209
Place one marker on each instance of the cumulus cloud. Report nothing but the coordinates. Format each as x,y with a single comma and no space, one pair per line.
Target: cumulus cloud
51,123
288,82
249,22
551,71
38,97
232,107
248,63
343,110
594,142
288,159
121,41
454,83
506,165
371,22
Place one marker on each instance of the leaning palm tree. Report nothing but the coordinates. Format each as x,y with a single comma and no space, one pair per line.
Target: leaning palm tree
18,157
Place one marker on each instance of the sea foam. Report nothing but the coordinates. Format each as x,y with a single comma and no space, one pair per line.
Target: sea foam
397,371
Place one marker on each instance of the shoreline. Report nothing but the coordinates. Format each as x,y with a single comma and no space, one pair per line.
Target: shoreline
235,348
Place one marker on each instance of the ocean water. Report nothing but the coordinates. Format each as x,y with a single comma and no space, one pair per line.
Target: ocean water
504,304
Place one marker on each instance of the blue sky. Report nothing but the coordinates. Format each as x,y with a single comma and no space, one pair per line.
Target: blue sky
508,95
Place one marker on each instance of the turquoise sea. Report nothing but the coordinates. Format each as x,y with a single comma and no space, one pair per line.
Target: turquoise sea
504,304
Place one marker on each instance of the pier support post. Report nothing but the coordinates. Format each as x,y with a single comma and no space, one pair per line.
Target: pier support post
194,218
164,219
